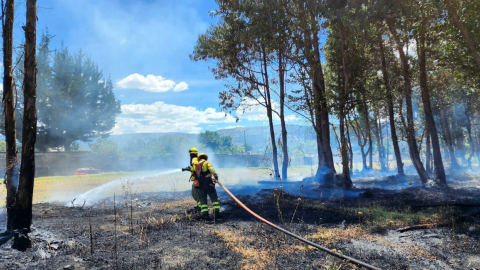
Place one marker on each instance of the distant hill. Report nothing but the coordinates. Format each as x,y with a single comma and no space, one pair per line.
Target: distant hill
257,137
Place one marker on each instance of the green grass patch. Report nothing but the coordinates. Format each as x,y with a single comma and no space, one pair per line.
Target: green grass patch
100,177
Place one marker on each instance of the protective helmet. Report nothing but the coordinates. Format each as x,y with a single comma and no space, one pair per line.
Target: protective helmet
202,156
193,151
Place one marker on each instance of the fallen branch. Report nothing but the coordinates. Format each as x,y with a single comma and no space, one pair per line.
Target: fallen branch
419,227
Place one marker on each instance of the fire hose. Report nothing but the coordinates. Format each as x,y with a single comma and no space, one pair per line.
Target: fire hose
333,253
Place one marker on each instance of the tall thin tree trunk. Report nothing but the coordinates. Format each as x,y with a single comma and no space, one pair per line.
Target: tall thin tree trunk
382,147
369,134
428,165
350,149
343,140
391,114
11,169
446,130
470,139
29,131
281,72
381,154
412,143
270,117
323,110
439,172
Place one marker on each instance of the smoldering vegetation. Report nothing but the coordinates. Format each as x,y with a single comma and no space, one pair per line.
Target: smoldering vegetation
158,231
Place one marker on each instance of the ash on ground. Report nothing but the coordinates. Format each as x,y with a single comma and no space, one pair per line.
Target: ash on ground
158,231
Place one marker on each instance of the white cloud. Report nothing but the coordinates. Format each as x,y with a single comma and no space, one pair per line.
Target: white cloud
150,83
123,41
182,86
1,87
161,117
250,110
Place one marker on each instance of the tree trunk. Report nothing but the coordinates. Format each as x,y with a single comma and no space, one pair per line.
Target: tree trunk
428,163
439,172
281,72
381,154
325,123
350,149
391,114
361,143
369,135
470,139
344,151
446,130
11,168
463,31
412,143
270,117
326,168
29,131
343,140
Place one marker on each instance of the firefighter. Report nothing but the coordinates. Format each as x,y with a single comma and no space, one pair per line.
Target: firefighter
193,159
205,179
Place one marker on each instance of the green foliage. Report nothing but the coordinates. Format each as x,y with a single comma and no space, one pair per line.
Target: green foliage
102,146
159,147
3,146
75,101
220,144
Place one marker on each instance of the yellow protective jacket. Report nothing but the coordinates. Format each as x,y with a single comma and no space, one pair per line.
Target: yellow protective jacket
207,167
192,176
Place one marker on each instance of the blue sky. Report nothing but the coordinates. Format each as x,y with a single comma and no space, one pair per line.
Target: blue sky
144,46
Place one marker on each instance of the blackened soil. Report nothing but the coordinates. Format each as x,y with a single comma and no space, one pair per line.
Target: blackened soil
156,231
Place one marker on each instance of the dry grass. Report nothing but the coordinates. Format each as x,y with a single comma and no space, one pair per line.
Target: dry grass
328,236
253,258
46,189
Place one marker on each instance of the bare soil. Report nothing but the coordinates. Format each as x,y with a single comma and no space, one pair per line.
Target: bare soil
156,231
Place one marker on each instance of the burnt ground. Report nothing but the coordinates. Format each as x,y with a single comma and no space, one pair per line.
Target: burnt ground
155,231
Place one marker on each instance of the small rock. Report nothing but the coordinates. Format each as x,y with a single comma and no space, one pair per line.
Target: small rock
54,246
68,267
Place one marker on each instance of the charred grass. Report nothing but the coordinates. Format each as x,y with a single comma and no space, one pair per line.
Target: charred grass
156,231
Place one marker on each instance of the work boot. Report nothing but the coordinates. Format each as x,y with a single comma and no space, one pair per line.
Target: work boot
217,215
205,216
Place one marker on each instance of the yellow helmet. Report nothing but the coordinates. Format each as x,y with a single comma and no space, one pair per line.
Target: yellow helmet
202,156
193,151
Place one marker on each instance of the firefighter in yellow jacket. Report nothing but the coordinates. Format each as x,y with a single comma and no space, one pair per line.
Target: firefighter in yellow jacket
204,182
193,159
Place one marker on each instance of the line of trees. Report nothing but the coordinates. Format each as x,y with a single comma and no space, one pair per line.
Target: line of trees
406,70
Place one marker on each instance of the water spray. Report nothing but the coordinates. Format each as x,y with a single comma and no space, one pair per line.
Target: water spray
338,255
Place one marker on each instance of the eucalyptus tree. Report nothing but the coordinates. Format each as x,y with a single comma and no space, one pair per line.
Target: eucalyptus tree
249,45
426,17
397,18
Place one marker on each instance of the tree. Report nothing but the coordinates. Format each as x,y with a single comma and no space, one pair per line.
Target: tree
430,121
23,220
219,144
391,113
463,29
11,167
102,146
412,143
75,102
243,47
